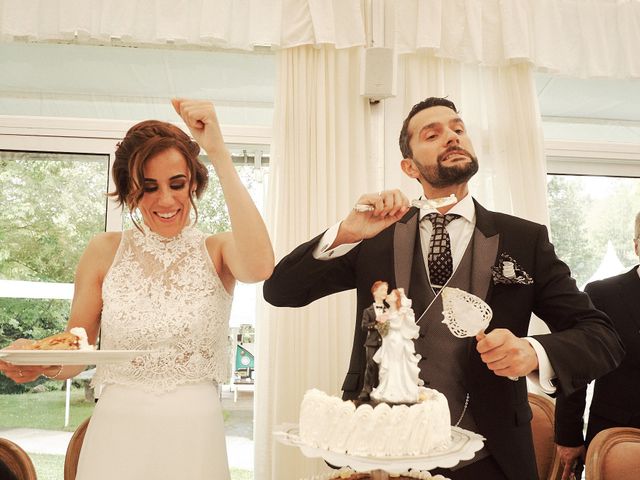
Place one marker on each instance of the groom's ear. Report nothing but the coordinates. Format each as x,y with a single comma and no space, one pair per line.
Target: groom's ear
408,167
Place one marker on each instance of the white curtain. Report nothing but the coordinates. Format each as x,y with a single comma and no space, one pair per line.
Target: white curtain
500,109
319,168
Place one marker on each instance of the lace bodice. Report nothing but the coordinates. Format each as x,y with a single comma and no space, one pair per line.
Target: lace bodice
164,295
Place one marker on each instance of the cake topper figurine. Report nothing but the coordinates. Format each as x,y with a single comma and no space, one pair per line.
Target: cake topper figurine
398,374
372,325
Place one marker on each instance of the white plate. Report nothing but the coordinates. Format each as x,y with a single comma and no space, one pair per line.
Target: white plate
68,357
464,445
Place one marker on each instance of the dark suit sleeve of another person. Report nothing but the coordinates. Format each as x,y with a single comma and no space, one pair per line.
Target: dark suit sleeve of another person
616,395
569,410
299,279
569,418
583,344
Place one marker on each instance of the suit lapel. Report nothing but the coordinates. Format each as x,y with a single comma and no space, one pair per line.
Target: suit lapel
485,251
486,241
404,239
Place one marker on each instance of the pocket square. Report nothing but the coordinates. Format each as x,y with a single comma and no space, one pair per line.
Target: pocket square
508,272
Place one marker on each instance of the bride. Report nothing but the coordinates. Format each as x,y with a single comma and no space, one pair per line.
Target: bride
164,287
398,371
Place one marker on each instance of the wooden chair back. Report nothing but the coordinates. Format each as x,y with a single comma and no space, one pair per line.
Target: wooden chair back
16,460
73,451
542,425
614,454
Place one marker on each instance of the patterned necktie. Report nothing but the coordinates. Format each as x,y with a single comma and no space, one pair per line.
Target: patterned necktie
439,258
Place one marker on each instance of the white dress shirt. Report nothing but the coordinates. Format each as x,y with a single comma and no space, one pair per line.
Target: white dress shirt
460,232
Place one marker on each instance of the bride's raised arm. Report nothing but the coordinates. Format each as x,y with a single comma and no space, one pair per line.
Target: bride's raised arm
246,251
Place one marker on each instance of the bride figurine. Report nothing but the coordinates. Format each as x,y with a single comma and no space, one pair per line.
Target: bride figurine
399,380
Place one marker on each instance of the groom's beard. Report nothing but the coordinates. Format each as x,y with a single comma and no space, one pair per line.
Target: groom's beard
441,175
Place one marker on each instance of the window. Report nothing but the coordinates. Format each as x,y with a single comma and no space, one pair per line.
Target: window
593,192
592,223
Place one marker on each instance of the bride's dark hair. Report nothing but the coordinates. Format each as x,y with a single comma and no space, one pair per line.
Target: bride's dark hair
144,141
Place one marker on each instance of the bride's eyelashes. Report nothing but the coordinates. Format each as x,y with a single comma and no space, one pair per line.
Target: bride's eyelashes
175,186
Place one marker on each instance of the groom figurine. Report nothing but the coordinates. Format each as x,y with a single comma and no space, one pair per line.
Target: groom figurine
506,261
370,324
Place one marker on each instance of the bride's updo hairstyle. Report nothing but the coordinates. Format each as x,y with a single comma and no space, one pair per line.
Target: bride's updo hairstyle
144,141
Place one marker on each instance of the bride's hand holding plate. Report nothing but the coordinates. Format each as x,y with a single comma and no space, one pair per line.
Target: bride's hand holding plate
26,373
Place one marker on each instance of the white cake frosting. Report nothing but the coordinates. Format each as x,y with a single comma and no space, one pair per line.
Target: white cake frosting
83,342
330,423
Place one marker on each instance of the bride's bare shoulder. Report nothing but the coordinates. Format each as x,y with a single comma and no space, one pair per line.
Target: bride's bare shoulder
106,241
103,247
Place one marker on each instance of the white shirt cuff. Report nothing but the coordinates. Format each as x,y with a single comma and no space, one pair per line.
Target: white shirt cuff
322,251
545,373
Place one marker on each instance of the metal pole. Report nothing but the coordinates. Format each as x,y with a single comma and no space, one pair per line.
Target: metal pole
67,403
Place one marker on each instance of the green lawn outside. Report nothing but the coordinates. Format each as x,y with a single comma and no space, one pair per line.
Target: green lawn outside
48,467
44,410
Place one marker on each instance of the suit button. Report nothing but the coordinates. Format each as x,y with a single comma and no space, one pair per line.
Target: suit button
421,335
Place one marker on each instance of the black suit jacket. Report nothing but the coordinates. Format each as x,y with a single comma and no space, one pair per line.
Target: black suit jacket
616,396
368,326
584,345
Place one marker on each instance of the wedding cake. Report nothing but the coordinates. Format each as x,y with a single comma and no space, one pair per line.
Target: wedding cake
330,423
403,419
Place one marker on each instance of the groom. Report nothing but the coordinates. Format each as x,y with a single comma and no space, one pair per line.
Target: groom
506,261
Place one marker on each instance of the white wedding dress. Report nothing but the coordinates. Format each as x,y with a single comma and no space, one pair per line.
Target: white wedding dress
159,416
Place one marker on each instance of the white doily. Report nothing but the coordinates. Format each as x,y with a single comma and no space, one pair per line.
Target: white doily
465,314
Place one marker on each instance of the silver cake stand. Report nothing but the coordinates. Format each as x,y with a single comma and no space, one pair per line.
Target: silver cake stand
464,445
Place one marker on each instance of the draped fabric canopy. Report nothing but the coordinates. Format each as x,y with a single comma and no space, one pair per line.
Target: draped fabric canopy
584,38
232,24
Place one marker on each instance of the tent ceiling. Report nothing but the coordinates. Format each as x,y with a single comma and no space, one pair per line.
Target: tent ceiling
135,83
132,83
594,98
